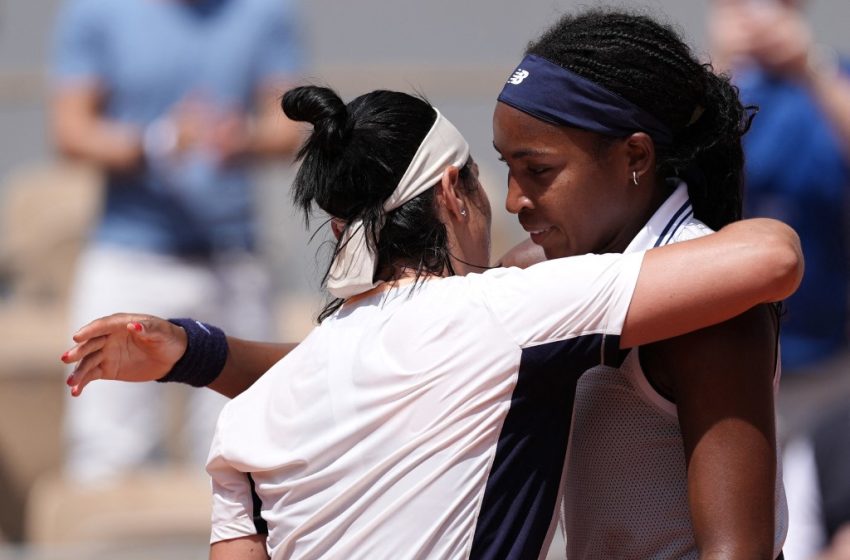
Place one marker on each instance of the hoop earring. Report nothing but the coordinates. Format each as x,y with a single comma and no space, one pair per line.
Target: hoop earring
635,178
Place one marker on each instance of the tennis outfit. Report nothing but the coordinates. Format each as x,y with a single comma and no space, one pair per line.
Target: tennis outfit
426,421
626,492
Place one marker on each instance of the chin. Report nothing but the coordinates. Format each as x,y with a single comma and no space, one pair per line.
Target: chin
555,252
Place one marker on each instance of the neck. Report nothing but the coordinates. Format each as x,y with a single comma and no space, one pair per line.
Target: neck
651,205
404,277
404,271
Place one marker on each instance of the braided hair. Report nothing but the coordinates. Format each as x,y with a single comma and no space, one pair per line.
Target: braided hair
647,63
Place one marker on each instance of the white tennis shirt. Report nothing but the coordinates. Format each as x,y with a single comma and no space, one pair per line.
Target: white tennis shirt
626,484
422,422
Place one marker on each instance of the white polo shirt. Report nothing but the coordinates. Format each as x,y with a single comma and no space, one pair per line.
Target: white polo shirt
626,482
422,422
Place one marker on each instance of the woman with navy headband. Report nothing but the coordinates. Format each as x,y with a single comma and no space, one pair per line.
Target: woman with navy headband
617,140
428,415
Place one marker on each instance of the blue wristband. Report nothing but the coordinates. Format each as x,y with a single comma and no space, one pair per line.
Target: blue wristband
205,355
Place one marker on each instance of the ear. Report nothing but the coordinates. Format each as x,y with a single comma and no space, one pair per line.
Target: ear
640,153
448,194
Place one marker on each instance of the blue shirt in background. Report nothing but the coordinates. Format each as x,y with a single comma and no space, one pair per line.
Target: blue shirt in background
148,55
796,171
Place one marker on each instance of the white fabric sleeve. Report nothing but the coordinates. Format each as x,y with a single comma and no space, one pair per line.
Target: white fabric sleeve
232,502
563,298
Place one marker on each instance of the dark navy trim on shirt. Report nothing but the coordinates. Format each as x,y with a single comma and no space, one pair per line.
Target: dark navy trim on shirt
260,524
522,488
670,227
678,226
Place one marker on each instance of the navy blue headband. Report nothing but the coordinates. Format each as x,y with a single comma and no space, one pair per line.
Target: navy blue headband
548,92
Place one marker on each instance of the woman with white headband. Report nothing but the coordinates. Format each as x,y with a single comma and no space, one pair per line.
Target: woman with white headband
426,416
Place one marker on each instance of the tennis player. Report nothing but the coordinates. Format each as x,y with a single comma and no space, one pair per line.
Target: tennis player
428,415
618,140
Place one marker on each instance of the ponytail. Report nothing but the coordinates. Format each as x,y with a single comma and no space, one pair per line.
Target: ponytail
707,153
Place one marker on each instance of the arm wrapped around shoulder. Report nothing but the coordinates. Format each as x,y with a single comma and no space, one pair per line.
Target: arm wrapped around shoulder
778,263
694,284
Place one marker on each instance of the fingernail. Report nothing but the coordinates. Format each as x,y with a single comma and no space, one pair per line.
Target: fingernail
70,380
137,326
64,356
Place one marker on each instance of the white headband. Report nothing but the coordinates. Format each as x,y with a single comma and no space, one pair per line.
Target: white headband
353,267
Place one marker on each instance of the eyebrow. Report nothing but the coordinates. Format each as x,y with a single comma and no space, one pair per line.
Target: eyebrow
527,152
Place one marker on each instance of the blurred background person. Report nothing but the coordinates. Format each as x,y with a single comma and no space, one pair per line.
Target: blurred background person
798,162
798,170
171,100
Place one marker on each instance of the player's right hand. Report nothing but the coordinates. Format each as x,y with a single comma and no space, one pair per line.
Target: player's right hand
124,347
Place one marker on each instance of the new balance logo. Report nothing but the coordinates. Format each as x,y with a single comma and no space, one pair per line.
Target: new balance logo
518,76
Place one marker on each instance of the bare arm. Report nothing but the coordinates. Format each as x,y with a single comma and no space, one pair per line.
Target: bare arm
252,547
247,361
721,379
273,134
81,132
264,134
831,89
782,43
694,284
839,548
131,347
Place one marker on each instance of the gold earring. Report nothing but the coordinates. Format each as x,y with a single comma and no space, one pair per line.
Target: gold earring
635,178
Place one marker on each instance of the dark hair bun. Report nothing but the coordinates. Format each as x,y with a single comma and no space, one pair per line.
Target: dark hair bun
358,151
321,107
354,159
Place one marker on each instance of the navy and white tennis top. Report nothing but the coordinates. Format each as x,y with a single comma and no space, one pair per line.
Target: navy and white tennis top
422,422
626,482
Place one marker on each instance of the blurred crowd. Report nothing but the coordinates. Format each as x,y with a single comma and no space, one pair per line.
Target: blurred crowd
159,111
798,151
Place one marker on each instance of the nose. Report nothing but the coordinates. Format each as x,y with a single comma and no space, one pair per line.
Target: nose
516,200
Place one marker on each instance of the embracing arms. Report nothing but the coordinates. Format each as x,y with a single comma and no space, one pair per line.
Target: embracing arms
694,284
681,288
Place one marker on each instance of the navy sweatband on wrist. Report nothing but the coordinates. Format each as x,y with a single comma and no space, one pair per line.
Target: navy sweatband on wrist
205,355
554,94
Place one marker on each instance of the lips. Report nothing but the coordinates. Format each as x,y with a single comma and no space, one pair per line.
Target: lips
539,234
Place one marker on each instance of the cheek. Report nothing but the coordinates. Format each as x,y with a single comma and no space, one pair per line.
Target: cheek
583,213
565,202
